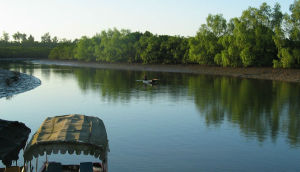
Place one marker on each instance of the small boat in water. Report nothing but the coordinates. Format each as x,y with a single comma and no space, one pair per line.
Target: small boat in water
152,81
73,134
149,82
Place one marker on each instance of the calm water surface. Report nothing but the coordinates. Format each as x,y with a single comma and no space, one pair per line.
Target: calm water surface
187,123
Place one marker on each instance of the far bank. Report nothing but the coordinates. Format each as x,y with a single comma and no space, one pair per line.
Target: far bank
288,75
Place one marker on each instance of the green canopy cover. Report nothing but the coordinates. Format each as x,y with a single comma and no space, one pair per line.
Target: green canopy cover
69,133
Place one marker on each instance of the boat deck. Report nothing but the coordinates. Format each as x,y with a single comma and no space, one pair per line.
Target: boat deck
58,167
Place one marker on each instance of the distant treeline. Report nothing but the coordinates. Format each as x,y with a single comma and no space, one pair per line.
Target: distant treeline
125,46
261,36
24,46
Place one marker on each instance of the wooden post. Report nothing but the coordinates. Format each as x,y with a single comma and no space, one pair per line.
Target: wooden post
24,166
105,166
36,164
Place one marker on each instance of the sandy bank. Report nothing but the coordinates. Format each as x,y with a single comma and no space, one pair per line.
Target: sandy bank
10,87
289,75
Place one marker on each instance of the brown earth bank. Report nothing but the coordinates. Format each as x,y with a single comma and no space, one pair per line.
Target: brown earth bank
267,73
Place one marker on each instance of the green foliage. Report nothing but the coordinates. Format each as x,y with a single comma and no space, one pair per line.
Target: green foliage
247,57
116,46
151,53
123,46
46,38
276,64
5,37
219,61
24,52
85,49
287,38
249,40
63,51
24,46
177,48
254,34
286,57
203,47
296,54
230,55
216,24
261,36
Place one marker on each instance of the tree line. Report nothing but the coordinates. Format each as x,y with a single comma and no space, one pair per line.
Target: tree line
261,36
23,46
125,46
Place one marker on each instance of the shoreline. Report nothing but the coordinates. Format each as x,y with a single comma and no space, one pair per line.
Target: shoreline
265,73
22,84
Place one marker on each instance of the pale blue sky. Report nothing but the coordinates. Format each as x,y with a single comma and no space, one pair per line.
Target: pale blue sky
74,18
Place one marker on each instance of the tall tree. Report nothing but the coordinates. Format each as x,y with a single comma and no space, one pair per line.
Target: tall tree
216,24
17,36
287,39
276,16
23,37
230,54
55,40
85,49
46,38
204,47
30,39
5,36
253,33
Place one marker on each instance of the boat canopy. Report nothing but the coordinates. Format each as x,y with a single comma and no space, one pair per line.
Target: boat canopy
69,133
13,137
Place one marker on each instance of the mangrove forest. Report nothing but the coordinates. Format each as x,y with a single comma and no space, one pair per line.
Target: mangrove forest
260,37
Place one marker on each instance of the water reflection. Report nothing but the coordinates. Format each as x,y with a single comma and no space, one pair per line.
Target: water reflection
259,108
122,85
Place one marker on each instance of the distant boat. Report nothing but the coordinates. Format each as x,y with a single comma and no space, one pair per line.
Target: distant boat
152,81
69,134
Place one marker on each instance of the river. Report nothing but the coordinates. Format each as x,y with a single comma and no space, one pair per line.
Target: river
187,122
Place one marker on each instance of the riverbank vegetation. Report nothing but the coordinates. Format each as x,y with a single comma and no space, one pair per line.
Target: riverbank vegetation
24,46
260,37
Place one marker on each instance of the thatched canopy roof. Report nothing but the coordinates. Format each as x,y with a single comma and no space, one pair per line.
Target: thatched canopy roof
69,133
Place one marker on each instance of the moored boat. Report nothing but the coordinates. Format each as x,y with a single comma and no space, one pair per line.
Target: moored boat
149,82
69,134
13,137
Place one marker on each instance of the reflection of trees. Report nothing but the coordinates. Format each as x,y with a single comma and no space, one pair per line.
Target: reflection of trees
112,84
117,85
18,66
259,107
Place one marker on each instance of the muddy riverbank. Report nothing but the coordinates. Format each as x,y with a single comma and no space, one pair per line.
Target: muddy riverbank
289,75
12,83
